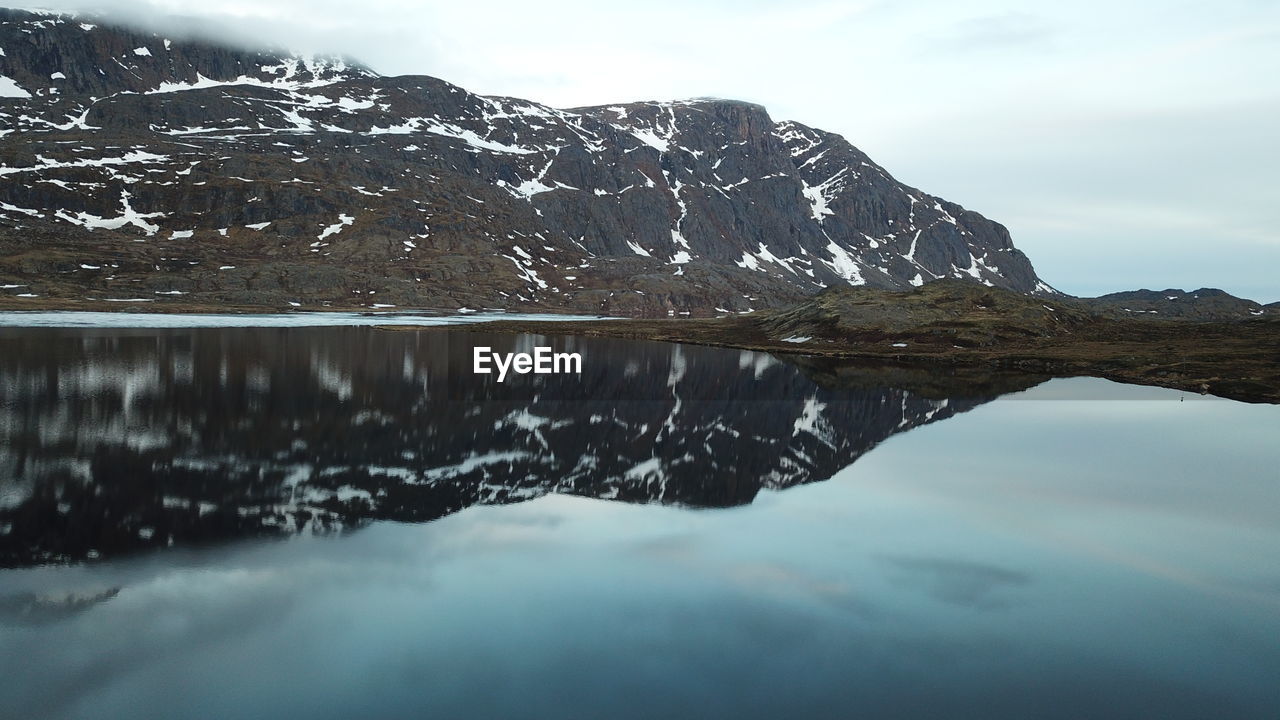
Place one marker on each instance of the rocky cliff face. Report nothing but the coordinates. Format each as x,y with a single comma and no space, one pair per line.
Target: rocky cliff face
135,167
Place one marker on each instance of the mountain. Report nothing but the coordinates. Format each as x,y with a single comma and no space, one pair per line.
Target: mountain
1202,304
117,443
139,168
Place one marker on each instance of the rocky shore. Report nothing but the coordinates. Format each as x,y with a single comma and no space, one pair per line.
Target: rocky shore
956,327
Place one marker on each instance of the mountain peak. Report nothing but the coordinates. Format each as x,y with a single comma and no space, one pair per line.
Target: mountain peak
190,167
49,54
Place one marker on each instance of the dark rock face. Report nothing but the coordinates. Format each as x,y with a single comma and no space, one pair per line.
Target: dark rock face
137,167
115,442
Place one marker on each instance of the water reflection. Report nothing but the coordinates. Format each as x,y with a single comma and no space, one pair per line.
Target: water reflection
115,441
1048,557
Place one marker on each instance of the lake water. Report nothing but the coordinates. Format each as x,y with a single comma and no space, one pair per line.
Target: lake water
336,522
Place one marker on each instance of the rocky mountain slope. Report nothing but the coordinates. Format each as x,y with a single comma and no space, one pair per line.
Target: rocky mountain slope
141,169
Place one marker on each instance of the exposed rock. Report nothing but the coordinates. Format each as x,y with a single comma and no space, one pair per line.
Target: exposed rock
132,164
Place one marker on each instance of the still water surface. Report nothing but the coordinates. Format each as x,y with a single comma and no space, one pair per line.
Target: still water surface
211,523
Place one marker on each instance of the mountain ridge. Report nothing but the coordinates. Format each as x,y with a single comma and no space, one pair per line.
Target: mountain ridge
250,178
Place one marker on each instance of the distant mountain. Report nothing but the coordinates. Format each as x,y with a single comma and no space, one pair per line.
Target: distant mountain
961,315
148,169
1202,304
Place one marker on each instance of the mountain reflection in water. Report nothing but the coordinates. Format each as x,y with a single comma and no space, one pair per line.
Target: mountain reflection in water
115,441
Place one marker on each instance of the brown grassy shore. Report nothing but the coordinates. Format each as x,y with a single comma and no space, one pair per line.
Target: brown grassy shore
965,327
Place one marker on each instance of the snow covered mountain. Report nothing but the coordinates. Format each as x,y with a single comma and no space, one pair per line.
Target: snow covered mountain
142,168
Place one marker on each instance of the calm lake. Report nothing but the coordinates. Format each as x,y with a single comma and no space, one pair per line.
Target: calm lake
337,522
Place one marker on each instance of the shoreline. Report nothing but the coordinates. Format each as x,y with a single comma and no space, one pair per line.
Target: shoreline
178,307
1239,360
1235,360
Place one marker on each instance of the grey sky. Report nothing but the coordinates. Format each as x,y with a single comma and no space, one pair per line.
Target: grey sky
1125,144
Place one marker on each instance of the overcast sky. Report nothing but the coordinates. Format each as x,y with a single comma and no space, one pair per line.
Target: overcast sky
1124,144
